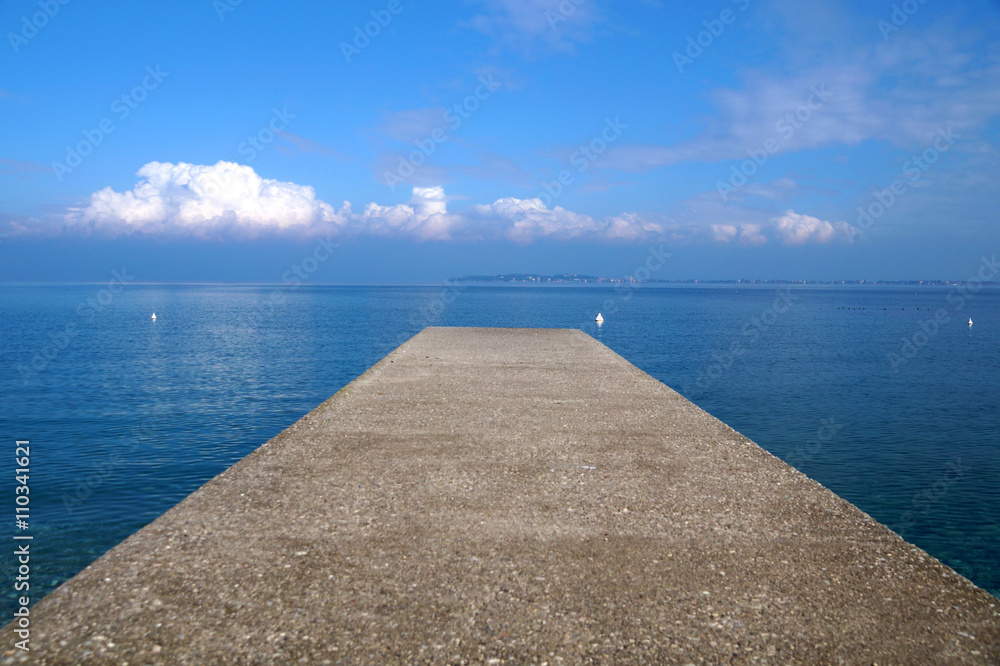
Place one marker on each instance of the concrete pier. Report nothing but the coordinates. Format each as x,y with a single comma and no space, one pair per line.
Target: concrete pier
513,496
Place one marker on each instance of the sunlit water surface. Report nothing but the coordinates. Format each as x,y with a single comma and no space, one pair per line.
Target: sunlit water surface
127,416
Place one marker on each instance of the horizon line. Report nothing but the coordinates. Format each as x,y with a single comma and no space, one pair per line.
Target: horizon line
589,281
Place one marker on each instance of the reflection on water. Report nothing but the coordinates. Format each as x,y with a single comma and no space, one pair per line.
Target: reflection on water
127,416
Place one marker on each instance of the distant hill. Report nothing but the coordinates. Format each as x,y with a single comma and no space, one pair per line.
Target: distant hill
593,279
526,277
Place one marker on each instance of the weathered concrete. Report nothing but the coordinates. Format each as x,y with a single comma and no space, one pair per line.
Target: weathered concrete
514,496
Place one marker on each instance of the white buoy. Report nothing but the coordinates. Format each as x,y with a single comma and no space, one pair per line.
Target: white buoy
154,316
599,318
970,321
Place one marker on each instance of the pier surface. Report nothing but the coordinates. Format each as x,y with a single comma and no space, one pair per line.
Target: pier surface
507,496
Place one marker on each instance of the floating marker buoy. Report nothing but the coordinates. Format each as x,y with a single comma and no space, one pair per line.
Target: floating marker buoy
599,318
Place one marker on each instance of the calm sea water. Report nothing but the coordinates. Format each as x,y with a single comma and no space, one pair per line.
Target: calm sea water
127,416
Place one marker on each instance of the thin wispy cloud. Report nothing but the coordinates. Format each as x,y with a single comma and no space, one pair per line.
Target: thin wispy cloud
22,167
488,166
862,97
305,145
410,125
530,27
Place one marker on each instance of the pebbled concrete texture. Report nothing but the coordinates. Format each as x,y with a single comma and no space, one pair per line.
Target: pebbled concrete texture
512,496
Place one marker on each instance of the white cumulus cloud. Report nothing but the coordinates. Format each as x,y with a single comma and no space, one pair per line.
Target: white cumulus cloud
425,217
225,199
748,234
796,229
231,201
527,220
723,233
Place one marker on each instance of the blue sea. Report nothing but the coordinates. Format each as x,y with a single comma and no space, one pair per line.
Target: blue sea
883,394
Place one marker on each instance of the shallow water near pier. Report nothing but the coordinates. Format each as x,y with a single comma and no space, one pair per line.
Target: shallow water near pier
882,393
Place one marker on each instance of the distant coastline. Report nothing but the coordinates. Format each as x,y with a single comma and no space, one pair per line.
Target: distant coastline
570,278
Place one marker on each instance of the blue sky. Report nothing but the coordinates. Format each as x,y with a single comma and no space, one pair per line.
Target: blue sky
225,141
